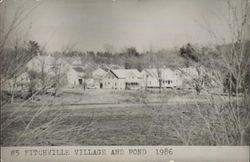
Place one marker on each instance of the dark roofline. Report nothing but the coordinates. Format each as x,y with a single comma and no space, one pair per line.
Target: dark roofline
78,69
114,74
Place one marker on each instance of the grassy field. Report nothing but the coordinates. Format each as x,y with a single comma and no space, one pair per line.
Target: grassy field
90,96
133,122
109,126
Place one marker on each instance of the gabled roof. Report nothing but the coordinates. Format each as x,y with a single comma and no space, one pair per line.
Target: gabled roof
99,72
125,73
162,71
151,72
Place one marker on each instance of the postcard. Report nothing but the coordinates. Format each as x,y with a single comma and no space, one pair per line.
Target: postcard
125,80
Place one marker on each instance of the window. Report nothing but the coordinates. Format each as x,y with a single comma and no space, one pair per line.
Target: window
108,83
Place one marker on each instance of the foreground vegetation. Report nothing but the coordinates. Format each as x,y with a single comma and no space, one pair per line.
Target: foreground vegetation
173,123
221,120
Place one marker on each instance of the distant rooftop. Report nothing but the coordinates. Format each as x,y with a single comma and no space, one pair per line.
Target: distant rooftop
79,69
124,73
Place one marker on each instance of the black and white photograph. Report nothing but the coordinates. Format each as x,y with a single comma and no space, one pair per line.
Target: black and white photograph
125,73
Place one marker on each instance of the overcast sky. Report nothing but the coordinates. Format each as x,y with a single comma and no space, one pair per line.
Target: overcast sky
144,24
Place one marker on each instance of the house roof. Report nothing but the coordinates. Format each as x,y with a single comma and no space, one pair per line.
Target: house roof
125,73
110,67
151,72
79,69
163,72
99,72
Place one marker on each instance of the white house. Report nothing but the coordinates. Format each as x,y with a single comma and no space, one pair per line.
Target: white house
75,76
48,64
123,79
97,77
163,77
40,64
150,78
52,66
99,73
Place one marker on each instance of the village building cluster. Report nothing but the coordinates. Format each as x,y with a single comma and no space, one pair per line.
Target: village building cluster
88,76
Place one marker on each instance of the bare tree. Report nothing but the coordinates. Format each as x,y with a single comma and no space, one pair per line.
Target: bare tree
236,61
19,16
42,122
228,118
13,56
155,61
